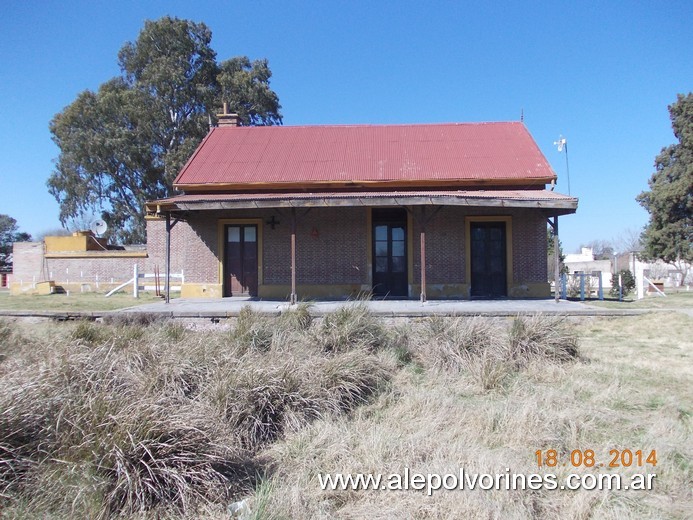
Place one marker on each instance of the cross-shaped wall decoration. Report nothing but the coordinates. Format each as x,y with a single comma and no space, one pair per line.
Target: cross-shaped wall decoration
272,222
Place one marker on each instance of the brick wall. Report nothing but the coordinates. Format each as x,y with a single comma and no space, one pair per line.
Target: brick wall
27,262
529,247
337,255
445,260
331,245
29,266
341,237
86,270
445,245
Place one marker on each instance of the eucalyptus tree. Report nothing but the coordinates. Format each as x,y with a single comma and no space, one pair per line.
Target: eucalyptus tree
126,142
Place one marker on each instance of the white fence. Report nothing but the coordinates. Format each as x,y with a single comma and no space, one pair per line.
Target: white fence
158,286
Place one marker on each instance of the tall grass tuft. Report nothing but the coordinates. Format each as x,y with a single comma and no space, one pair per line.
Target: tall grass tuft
450,343
297,318
154,457
351,327
10,339
6,331
253,331
539,337
88,332
259,402
479,347
343,382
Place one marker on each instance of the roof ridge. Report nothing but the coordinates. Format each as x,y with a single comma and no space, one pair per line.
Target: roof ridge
378,125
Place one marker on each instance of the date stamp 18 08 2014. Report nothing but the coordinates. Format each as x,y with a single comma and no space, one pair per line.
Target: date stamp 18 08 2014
617,458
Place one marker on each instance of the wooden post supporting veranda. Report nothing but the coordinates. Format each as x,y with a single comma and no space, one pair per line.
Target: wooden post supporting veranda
168,258
169,227
423,220
293,256
423,254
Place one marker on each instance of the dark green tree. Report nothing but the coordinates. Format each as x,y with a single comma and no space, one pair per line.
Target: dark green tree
669,233
9,234
563,269
245,87
125,143
628,283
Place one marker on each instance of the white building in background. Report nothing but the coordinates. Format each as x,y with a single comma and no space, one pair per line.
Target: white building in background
663,274
584,262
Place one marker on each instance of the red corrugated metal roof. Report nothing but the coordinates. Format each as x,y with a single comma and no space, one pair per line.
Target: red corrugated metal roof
366,153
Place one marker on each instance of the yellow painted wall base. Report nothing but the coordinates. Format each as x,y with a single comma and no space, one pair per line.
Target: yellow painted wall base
17,288
79,241
201,290
530,290
461,290
45,287
433,291
282,292
441,291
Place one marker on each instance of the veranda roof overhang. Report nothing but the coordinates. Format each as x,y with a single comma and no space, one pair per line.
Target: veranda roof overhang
554,203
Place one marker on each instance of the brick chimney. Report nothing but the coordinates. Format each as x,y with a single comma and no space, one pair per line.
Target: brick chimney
226,119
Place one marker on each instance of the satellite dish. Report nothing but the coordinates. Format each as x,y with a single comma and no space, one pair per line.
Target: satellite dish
99,227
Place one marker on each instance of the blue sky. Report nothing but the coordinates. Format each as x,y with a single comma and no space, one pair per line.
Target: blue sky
601,74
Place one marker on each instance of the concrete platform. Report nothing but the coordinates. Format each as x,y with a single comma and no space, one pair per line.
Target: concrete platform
230,307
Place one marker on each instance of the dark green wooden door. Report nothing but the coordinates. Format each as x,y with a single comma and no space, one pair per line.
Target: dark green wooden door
488,256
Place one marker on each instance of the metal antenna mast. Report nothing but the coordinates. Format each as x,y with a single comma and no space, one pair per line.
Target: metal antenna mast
562,144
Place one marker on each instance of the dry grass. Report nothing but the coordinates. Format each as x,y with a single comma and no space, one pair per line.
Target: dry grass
158,421
630,388
74,302
142,417
681,299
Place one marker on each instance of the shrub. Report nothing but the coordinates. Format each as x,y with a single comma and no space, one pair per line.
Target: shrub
627,281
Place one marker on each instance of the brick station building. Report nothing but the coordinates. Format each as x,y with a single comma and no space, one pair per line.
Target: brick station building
401,211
